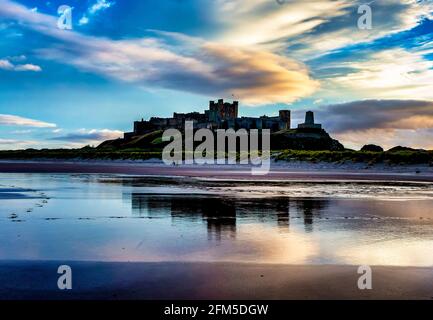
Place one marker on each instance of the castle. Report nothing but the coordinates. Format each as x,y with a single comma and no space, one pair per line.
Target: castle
221,115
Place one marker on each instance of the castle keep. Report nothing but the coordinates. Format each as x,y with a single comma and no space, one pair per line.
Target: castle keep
220,115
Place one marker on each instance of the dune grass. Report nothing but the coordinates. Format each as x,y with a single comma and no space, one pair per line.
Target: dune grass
347,156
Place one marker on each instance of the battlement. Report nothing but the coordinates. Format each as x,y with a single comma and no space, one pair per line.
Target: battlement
222,111
220,115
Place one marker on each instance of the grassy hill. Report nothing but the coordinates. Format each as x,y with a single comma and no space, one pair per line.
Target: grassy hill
344,156
285,139
286,145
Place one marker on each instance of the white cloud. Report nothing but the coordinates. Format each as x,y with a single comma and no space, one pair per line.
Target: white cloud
262,21
11,144
230,64
19,58
69,139
92,136
12,120
84,20
308,29
98,6
211,68
7,141
6,64
27,67
392,74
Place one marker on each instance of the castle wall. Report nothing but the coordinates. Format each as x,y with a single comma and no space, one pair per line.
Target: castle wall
221,115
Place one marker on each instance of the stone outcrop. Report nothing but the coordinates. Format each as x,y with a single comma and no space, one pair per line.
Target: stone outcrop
372,148
304,139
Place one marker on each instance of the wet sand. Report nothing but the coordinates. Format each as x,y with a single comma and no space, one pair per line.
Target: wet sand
192,281
220,172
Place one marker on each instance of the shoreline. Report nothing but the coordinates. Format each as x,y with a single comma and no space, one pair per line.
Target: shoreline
33,280
37,280
287,171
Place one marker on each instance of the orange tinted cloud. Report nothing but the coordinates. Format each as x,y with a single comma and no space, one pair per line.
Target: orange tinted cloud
257,76
190,65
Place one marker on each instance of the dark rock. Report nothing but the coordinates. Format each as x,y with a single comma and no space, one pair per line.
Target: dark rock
304,139
372,148
400,148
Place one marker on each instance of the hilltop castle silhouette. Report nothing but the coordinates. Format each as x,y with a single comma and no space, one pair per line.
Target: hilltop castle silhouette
222,115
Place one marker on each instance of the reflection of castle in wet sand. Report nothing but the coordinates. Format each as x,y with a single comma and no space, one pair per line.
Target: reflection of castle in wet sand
220,214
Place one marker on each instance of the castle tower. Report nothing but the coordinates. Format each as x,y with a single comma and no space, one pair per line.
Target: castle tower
309,117
223,111
235,108
285,119
309,122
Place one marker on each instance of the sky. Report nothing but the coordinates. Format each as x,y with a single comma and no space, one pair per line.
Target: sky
125,60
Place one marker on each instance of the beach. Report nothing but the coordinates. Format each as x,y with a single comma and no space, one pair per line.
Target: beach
279,171
209,281
147,231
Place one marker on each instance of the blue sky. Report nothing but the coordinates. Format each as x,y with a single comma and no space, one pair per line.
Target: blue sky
126,60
